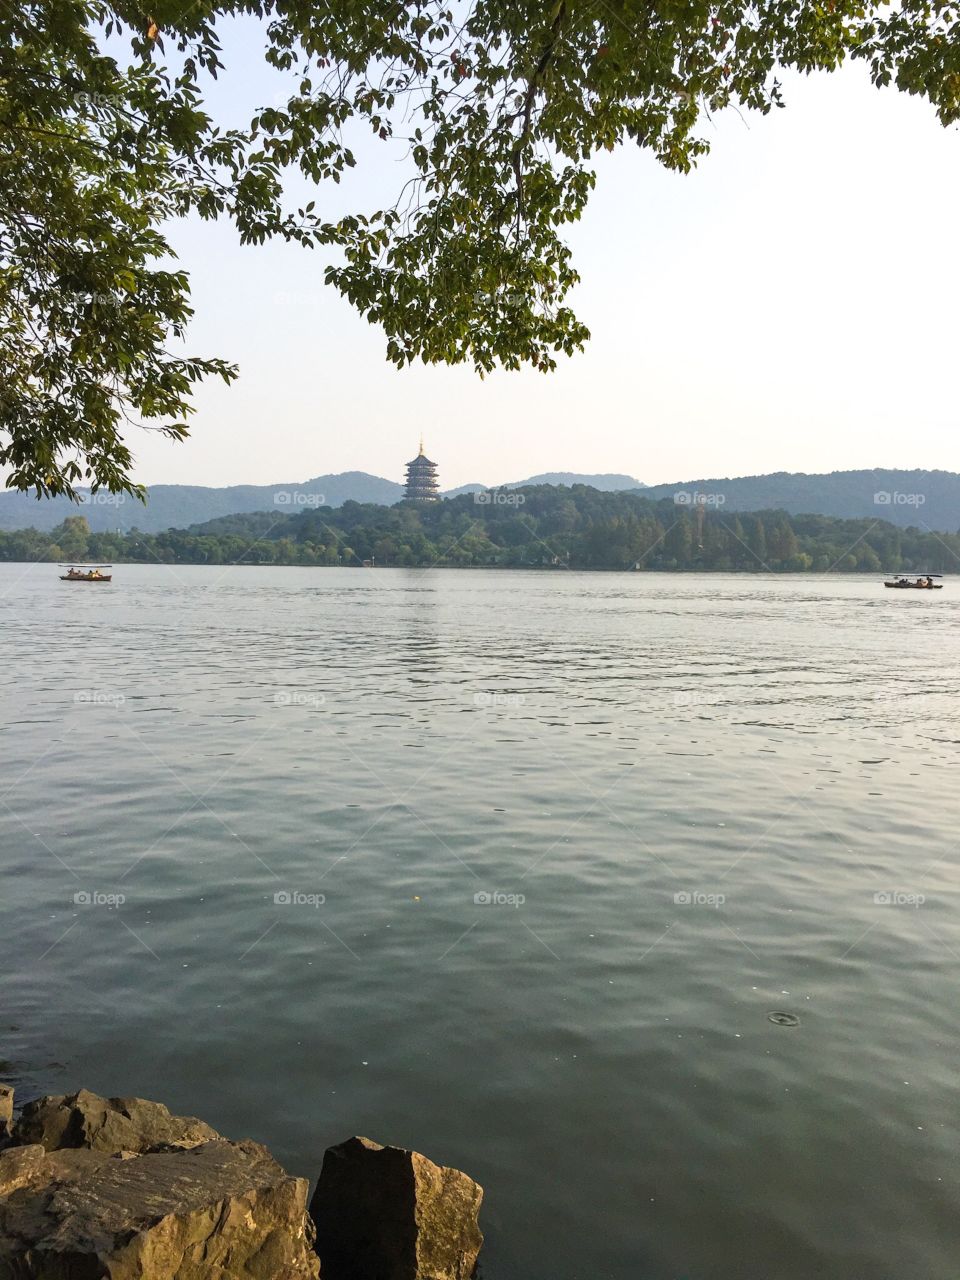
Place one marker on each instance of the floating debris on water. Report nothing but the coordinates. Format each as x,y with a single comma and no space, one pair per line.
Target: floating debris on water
784,1019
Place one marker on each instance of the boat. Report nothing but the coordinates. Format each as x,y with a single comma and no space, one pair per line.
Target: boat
86,573
916,582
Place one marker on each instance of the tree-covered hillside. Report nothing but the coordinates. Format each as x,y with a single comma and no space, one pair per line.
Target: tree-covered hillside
540,527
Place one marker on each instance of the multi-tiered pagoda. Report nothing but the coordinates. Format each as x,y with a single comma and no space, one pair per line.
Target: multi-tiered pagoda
422,483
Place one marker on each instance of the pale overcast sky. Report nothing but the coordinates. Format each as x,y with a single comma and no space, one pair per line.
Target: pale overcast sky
789,306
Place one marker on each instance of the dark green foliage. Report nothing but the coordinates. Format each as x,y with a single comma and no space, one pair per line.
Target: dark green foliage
494,110
578,528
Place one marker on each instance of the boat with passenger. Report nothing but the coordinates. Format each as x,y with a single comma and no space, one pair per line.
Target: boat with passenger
86,573
921,582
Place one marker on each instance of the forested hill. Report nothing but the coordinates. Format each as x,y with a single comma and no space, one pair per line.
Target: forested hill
540,527
928,499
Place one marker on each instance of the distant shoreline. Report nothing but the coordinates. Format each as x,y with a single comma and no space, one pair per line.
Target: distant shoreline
542,528
504,568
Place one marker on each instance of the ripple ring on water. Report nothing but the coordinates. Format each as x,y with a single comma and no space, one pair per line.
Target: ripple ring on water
784,1019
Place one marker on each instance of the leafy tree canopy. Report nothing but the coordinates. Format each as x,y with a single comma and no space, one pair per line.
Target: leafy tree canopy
499,106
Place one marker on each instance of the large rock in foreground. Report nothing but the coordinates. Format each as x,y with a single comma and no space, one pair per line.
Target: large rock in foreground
383,1213
110,1125
219,1211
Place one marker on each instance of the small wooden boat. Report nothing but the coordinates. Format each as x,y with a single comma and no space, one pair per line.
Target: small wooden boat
921,582
86,573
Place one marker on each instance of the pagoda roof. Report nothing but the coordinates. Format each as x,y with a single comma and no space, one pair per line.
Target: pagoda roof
421,459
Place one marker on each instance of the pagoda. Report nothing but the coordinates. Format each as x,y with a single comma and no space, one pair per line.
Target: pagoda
422,484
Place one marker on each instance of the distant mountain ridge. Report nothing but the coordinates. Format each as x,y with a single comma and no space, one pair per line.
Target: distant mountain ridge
926,499
178,506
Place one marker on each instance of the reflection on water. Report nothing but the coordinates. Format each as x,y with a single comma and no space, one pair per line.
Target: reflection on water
512,868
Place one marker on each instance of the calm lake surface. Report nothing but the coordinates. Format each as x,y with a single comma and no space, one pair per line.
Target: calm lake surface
693,800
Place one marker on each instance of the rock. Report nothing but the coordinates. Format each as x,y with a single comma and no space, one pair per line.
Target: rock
20,1166
383,1213
219,1211
110,1125
6,1111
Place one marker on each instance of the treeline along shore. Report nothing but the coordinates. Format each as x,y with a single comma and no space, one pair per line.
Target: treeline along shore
543,526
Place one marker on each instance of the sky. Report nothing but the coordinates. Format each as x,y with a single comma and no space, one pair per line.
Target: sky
789,306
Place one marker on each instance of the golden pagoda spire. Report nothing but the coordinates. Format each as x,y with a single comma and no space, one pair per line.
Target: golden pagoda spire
421,454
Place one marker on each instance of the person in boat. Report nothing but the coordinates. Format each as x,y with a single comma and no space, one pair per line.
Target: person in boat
929,581
902,583
921,582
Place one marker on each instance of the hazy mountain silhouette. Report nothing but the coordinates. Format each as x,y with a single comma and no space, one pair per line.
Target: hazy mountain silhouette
177,506
926,499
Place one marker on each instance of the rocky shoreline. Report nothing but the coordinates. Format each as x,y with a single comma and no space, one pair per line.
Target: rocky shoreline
121,1189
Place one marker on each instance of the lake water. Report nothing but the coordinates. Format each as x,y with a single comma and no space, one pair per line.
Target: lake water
693,800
